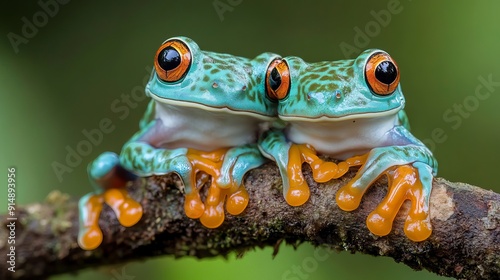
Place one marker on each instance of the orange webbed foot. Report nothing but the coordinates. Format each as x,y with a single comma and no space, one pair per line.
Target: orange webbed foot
235,200
211,213
127,210
323,171
404,184
205,165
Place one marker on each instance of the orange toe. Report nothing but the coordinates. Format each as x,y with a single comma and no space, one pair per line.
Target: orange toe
193,206
237,202
378,224
323,171
348,198
298,194
90,238
130,213
213,216
418,230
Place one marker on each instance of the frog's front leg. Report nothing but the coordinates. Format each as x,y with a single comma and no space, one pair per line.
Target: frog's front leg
127,210
143,157
410,170
289,157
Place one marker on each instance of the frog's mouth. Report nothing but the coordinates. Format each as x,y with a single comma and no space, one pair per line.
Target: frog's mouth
324,118
222,109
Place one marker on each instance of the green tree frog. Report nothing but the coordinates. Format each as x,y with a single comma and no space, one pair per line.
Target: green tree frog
204,117
351,110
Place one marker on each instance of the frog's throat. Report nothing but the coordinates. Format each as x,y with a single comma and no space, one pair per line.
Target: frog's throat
223,109
324,118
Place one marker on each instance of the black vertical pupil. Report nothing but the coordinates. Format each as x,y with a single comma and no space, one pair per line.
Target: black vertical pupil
274,79
169,58
386,72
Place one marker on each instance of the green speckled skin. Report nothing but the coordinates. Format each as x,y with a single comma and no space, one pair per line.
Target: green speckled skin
144,159
333,89
215,82
218,81
331,107
219,103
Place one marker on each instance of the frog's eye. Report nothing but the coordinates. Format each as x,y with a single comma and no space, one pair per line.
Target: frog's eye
277,80
173,60
382,74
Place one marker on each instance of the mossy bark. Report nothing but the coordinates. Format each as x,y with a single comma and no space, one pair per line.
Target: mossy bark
465,242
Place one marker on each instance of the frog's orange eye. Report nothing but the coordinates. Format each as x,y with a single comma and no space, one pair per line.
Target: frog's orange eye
172,61
277,80
382,74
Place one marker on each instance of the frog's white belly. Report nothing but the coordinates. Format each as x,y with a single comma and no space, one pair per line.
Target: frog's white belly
343,139
202,129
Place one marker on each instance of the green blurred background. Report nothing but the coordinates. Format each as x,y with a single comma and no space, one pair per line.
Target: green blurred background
65,77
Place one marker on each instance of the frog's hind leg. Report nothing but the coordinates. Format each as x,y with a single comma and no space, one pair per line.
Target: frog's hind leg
89,234
107,172
106,175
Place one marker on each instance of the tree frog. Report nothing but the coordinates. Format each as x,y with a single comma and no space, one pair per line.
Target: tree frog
204,118
351,110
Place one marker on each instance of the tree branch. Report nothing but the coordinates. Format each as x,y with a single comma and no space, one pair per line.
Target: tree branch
465,242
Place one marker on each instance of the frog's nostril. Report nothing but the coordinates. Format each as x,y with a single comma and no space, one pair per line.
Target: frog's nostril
338,94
